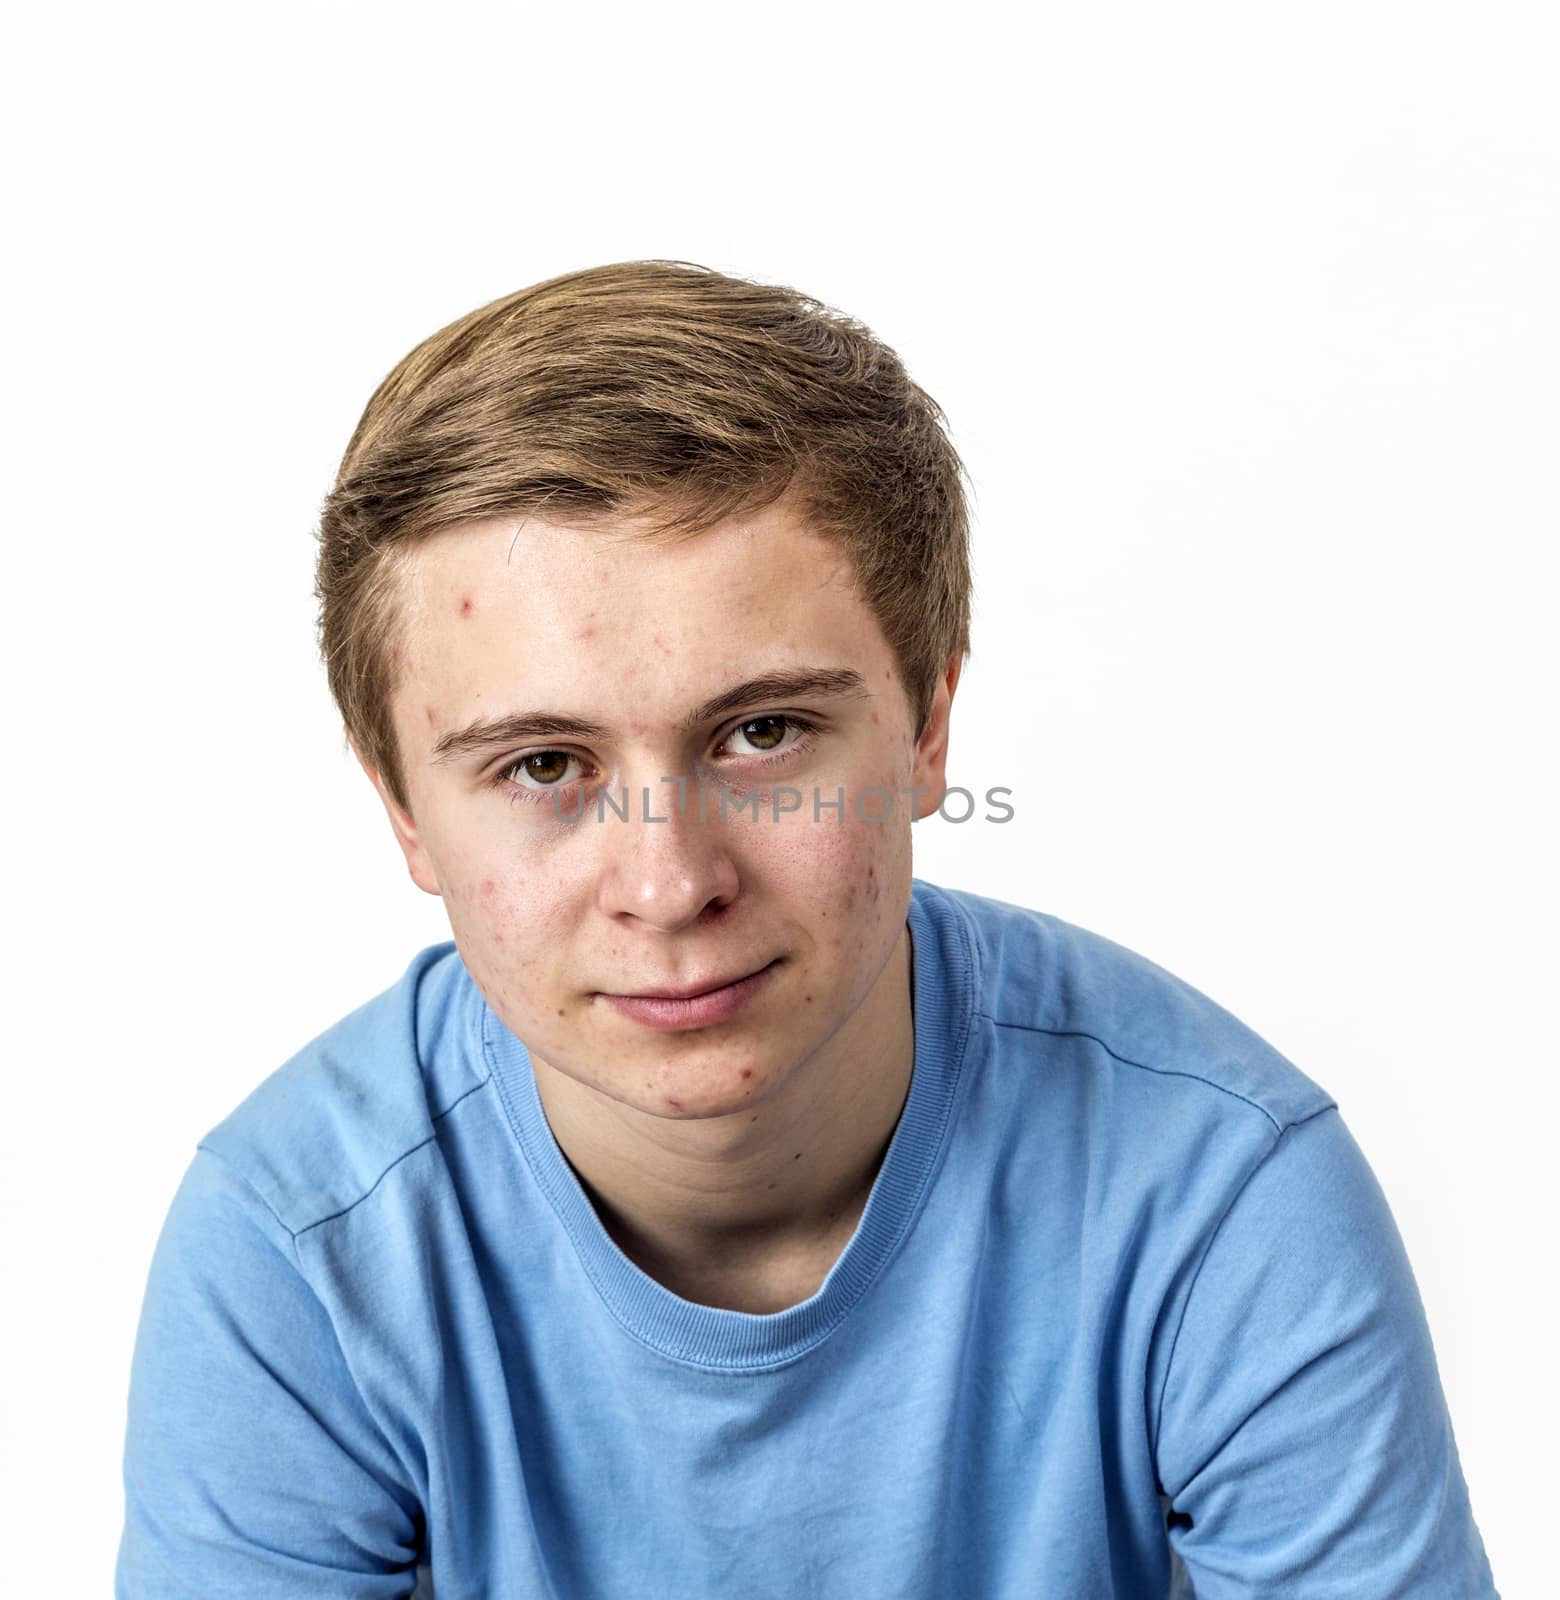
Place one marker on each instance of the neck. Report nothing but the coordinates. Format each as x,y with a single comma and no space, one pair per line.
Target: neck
749,1211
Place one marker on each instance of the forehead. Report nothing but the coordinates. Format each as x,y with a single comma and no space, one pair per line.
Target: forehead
608,624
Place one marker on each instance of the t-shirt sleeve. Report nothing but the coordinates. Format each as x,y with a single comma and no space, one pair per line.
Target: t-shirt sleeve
251,1466
1303,1438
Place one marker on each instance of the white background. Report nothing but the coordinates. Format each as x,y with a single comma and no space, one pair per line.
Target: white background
1245,321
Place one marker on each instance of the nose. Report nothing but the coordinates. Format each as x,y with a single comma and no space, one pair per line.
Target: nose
665,865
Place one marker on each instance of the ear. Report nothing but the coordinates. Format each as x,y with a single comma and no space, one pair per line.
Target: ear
405,829
931,750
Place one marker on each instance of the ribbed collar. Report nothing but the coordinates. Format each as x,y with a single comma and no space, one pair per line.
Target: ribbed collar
708,1336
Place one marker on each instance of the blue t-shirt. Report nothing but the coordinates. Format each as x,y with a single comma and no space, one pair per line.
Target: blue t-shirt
1125,1315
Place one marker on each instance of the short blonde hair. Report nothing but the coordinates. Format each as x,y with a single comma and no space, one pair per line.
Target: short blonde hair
649,388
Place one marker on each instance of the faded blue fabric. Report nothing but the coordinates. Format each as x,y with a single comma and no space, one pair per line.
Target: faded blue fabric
1123,1266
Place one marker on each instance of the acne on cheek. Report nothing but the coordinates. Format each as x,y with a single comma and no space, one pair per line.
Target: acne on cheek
860,861
487,896
487,911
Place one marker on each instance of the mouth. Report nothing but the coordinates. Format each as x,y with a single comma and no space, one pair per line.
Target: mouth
695,1006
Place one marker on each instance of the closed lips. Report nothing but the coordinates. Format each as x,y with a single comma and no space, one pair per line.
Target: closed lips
691,992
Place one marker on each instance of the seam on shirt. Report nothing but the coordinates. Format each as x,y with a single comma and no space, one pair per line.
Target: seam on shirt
1144,1066
1245,1183
972,949
222,1161
437,1117
393,1489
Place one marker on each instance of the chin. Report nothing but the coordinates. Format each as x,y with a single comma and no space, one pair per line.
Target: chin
712,1082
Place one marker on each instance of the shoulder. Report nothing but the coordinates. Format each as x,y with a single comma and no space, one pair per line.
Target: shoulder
1041,982
321,1131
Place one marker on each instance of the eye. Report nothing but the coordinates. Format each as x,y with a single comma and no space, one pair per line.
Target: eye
765,736
542,769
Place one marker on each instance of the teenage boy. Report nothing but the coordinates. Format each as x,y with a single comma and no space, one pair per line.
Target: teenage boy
723,1213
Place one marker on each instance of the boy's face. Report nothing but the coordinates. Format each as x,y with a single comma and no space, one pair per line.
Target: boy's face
619,664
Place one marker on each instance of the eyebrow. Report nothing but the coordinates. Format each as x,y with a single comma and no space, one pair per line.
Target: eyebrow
516,727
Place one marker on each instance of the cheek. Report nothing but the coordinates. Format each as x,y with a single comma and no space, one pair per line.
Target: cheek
503,870
493,909
509,913
502,945
854,878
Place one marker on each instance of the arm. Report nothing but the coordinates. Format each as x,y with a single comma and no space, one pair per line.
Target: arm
252,1468
1303,1437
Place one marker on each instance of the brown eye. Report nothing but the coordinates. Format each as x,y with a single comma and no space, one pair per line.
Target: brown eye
545,767
764,733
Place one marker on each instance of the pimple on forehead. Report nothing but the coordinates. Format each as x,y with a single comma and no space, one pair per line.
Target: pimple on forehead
466,606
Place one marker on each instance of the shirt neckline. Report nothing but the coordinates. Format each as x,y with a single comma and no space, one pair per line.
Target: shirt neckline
712,1336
